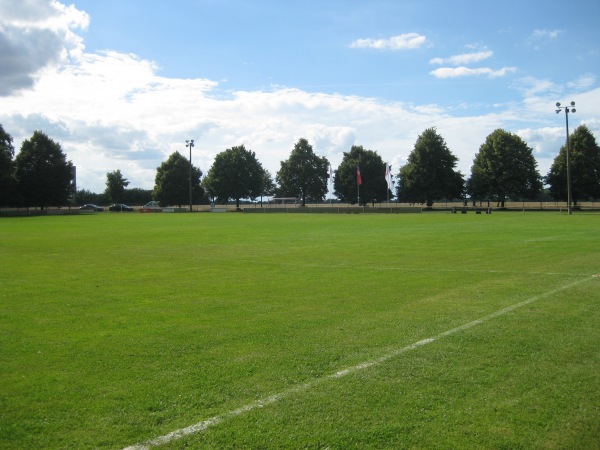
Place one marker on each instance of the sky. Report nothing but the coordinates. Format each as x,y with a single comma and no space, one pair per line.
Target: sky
123,84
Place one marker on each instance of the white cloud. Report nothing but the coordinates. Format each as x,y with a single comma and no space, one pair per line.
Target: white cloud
112,111
546,34
407,41
330,139
531,86
34,35
455,72
583,82
465,58
545,141
539,38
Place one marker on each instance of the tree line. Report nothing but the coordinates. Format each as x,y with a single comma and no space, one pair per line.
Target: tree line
504,168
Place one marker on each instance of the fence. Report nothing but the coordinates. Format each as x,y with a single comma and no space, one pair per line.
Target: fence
340,208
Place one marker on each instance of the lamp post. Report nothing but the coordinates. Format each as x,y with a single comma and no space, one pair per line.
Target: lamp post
568,109
190,144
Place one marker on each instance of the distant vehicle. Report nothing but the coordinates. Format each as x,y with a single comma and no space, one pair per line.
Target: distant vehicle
120,207
91,207
151,207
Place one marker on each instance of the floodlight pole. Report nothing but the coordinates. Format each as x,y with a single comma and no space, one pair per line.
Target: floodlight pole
190,144
568,109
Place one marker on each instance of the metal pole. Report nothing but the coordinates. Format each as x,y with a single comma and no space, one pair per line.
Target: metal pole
357,183
190,144
568,164
357,193
567,109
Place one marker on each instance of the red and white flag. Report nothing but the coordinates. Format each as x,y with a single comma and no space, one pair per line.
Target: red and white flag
358,177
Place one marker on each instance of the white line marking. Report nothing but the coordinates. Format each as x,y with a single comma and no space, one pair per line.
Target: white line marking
216,420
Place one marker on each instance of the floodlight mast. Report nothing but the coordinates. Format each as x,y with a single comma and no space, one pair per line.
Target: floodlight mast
567,109
190,144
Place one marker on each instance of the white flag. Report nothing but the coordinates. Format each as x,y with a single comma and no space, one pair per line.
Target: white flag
388,176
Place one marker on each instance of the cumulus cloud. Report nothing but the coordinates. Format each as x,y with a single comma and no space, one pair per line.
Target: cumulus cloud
455,72
406,41
131,119
465,58
36,34
112,111
331,139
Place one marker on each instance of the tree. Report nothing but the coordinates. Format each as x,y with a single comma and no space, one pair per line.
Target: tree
268,185
504,168
235,174
585,168
171,185
8,184
373,187
430,174
43,174
83,196
138,196
115,186
303,174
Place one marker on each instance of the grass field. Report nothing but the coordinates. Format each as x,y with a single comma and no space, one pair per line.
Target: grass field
300,331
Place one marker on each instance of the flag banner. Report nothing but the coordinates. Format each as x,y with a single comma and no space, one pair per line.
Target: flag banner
330,173
388,176
358,177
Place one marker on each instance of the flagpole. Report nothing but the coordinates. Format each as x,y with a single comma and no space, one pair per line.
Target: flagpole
358,185
330,183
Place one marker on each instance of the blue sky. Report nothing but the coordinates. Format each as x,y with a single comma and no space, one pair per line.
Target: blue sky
122,84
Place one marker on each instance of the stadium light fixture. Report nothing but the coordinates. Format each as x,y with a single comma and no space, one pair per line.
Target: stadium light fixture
567,109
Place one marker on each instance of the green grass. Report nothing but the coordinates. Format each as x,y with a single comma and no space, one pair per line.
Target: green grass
119,328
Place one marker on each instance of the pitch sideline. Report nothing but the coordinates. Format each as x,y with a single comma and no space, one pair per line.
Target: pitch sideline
213,421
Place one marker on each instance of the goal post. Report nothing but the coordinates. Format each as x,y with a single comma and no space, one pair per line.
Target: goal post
283,201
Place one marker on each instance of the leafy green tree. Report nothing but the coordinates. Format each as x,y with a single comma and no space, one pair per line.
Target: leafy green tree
430,174
303,174
373,187
172,181
115,186
504,168
8,184
138,196
268,185
235,174
83,196
585,168
43,174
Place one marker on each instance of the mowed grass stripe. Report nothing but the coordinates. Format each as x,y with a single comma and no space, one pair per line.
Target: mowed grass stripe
119,327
